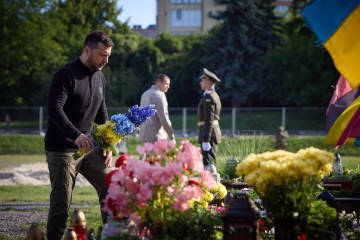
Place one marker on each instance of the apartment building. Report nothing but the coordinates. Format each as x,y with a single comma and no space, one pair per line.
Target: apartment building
193,16
185,16
149,32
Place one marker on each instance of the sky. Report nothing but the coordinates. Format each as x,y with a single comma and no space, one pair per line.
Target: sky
139,12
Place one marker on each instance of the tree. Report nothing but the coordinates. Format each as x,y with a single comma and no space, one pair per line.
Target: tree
169,44
235,48
299,72
122,82
29,51
184,69
38,36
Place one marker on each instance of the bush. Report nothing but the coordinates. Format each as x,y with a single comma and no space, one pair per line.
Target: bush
321,222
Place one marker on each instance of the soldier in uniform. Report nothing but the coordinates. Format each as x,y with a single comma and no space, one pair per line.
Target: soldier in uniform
281,137
208,118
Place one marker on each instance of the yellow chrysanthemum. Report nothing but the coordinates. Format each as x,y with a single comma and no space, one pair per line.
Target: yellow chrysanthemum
278,167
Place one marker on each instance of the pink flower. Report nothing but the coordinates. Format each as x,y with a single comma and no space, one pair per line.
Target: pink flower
208,179
144,194
150,191
146,149
192,191
132,186
190,156
180,203
174,168
162,146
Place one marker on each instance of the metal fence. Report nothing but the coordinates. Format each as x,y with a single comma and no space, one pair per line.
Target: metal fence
233,121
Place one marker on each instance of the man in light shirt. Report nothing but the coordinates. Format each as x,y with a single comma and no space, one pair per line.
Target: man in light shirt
159,126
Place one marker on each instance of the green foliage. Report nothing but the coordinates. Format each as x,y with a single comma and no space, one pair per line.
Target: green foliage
321,221
249,27
297,85
234,150
29,55
169,44
38,36
195,224
184,70
349,174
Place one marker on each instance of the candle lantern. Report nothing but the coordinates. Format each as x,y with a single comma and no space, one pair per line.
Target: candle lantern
70,234
211,168
337,165
78,223
241,218
35,232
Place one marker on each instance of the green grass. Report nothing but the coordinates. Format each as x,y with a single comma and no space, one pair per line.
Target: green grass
21,144
21,149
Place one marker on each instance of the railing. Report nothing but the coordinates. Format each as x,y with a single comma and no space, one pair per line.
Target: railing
233,121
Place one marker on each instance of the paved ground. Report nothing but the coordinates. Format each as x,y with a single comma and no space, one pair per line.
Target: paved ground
17,217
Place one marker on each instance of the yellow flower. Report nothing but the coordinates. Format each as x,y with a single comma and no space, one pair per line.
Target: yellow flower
278,167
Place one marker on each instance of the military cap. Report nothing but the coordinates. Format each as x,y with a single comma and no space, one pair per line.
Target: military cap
211,76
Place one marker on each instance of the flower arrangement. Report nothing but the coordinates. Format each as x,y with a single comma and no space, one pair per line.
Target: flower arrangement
350,223
286,182
156,192
108,134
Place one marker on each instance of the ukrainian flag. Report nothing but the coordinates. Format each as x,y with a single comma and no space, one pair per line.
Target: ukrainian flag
346,128
337,24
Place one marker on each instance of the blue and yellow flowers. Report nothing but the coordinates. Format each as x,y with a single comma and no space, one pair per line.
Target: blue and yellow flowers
107,134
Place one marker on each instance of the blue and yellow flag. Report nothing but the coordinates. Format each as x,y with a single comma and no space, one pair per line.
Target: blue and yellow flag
337,24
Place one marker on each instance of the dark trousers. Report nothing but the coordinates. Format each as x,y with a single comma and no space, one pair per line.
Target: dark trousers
63,170
209,157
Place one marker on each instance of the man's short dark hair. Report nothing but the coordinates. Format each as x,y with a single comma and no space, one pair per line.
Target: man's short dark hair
161,77
94,38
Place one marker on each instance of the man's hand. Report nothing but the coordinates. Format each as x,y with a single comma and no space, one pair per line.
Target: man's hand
206,146
84,143
108,158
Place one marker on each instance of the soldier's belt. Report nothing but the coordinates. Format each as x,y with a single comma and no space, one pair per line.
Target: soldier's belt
201,123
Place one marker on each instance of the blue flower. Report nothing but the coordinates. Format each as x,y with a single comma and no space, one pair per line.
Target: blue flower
139,115
123,125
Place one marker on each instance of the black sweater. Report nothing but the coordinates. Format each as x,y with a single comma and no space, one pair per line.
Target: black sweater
76,98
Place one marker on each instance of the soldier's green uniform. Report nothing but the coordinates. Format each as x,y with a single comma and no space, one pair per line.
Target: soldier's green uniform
208,120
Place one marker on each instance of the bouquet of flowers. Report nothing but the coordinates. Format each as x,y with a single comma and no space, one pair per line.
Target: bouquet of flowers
154,192
286,182
107,134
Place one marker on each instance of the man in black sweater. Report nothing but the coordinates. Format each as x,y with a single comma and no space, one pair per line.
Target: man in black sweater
76,99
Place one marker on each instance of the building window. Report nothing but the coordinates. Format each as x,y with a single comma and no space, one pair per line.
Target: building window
185,18
178,15
184,1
